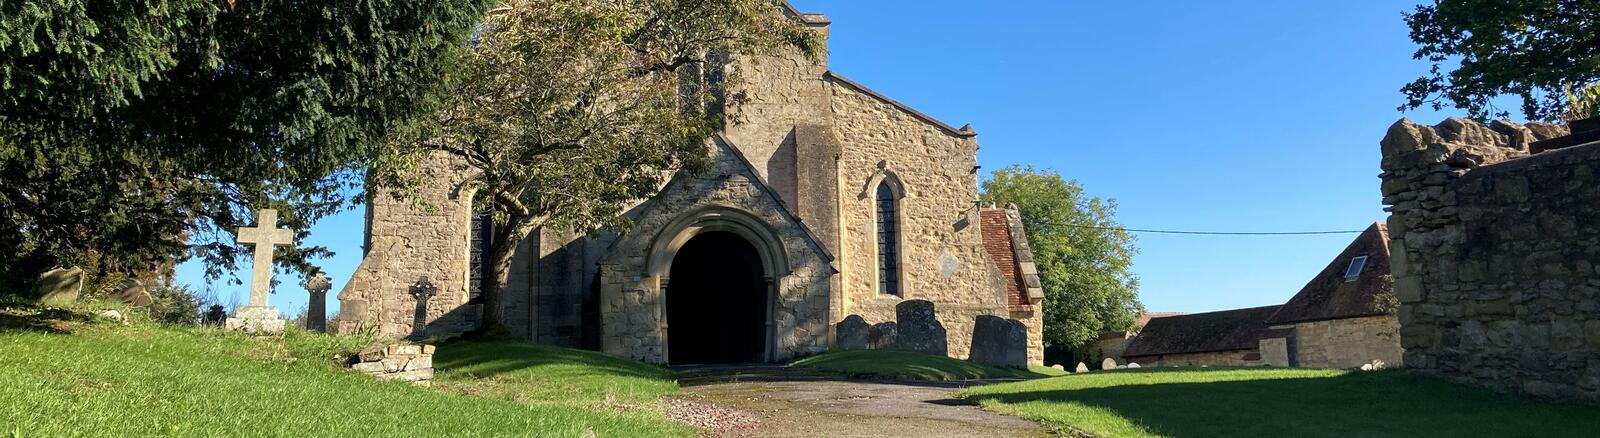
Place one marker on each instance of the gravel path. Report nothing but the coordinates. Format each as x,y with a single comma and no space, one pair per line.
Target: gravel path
774,401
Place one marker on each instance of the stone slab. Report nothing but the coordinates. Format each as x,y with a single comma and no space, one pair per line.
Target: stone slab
918,329
999,342
852,333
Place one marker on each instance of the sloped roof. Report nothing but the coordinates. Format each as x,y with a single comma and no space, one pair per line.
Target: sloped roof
997,240
1329,296
1227,330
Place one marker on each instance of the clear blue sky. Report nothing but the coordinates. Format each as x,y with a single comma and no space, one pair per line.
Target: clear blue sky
1218,115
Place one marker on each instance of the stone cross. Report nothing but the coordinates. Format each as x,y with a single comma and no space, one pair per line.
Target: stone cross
317,308
266,237
258,317
422,290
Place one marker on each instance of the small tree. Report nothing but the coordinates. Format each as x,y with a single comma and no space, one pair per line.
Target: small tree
570,110
1084,257
1538,50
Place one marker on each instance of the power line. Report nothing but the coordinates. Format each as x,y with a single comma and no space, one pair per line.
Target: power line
1221,233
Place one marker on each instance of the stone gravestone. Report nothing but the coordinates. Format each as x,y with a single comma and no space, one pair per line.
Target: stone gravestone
1108,364
317,309
918,330
1000,342
60,286
422,290
851,334
881,336
1082,368
258,316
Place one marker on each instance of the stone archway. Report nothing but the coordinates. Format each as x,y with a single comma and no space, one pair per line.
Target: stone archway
716,298
719,271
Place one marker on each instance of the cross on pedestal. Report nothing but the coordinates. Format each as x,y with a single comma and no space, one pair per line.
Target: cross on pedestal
258,317
266,236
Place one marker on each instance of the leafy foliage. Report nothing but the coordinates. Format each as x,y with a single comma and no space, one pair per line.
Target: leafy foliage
570,111
146,130
1084,257
1537,50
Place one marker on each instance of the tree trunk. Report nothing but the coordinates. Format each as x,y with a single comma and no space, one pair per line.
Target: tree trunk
501,251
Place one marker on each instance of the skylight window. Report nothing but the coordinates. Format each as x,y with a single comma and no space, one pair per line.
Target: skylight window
1356,265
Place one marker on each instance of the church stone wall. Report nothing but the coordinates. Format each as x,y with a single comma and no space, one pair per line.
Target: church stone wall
406,243
780,93
634,324
943,259
1496,255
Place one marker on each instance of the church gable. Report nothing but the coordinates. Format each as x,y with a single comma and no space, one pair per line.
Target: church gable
729,200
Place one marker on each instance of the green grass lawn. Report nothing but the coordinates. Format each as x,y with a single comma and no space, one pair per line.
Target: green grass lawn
1261,402
891,364
64,375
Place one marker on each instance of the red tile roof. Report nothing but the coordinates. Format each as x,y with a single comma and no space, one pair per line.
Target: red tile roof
997,240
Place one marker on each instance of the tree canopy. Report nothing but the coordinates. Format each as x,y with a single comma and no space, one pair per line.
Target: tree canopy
142,131
1542,51
1083,255
570,111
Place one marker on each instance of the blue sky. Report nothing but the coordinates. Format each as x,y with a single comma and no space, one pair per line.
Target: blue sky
1218,115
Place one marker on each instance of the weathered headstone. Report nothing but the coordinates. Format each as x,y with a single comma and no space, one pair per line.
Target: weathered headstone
1082,368
317,308
258,316
851,333
1108,364
918,330
60,286
1134,365
422,290
881,336
1000,342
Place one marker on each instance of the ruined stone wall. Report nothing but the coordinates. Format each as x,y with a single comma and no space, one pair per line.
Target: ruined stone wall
407,242
942,256
1495,255
1348,343
634,322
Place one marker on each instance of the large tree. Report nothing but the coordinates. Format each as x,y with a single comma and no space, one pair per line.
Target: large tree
1543,51
137,132
1084,256
569,111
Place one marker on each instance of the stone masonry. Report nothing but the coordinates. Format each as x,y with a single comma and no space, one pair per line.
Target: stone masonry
1496,255
794,173
404,362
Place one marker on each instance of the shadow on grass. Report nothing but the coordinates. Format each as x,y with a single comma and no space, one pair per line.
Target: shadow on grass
17,317
487,358
1368,404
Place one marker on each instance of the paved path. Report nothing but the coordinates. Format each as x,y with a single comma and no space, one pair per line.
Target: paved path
777,401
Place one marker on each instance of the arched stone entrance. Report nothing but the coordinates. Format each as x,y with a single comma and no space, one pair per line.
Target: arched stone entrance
717,302
718,270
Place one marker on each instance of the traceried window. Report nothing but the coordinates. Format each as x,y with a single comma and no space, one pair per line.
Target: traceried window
888,242
1354,271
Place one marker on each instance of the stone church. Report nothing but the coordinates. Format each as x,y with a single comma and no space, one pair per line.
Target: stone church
825,200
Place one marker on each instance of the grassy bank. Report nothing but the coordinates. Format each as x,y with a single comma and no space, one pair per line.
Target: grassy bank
890,364
64,374
1279,402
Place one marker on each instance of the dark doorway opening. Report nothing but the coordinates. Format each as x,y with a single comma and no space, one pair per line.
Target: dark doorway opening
716,302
